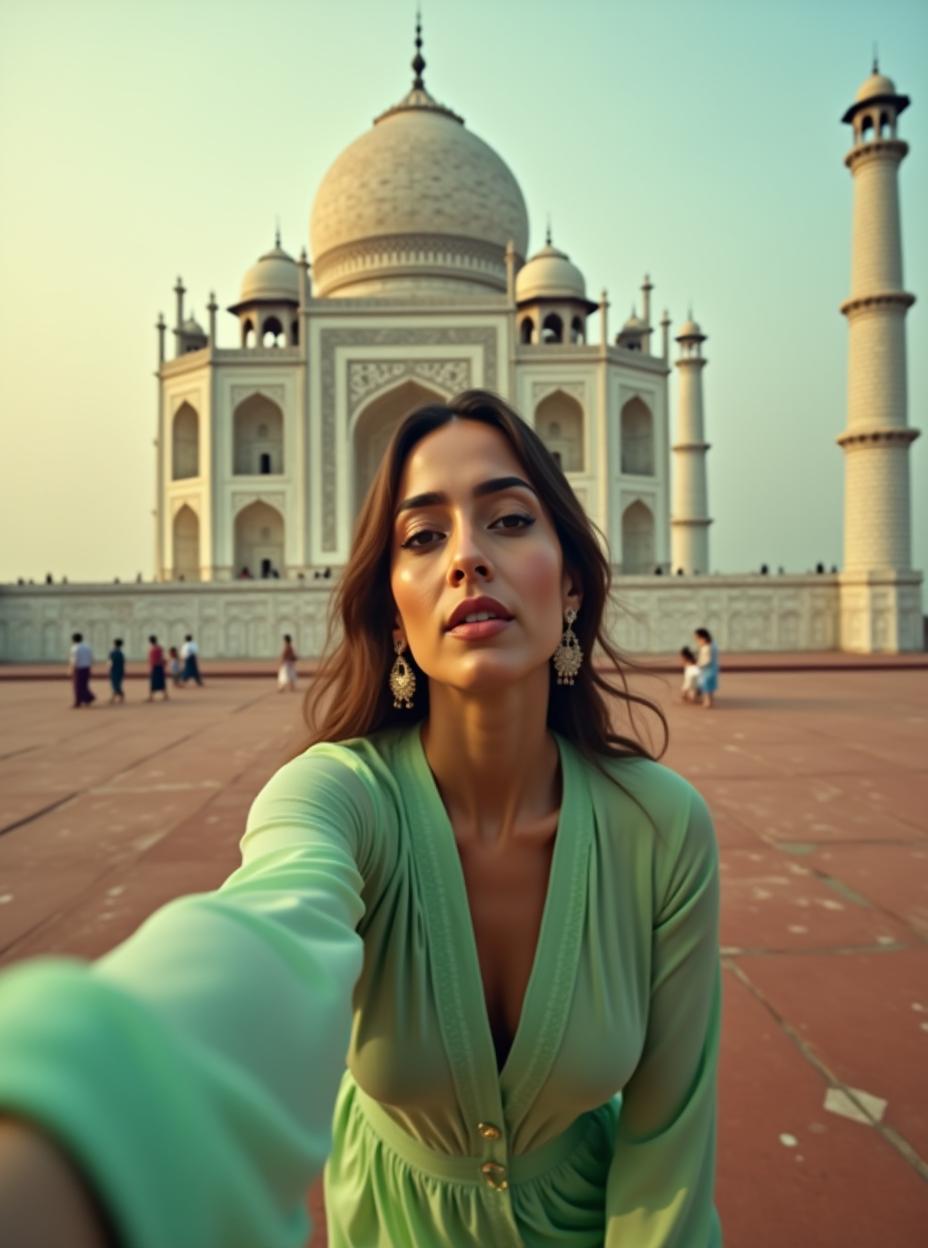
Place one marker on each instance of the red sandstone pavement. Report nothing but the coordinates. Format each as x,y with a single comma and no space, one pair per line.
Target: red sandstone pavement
818,782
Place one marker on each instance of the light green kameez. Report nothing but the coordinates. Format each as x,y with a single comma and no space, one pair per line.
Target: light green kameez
193,1070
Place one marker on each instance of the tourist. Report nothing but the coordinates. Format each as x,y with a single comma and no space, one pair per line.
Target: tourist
117,671
79,668
458,778
245,574
690,686
156,680
189,652
707,656
286,674
174,666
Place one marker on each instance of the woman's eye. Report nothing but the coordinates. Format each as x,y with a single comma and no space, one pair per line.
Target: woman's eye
526,521
413,543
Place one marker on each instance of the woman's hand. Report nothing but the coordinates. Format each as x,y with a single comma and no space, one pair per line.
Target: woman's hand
44,1201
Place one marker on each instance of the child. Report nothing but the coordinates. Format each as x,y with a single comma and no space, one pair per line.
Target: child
690,675
117,671
174,665
286,675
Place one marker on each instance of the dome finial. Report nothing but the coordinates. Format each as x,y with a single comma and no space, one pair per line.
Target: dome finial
876,58
418,61
548,232
277,233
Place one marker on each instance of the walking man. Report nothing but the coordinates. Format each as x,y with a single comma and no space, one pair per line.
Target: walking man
188,652
117,671
81,661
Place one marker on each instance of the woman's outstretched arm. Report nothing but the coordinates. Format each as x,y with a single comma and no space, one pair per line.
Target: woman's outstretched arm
190,1074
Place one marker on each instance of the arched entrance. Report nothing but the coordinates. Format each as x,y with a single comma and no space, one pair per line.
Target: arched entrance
185,443
259,540
637,540
186,544
637,438
258,425
559,424
375,427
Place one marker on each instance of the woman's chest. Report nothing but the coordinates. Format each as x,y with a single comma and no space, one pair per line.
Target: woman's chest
506,894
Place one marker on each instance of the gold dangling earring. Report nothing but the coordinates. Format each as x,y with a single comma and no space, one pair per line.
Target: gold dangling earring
568,656
402,678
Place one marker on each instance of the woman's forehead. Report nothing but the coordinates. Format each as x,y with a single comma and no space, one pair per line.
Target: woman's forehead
451,454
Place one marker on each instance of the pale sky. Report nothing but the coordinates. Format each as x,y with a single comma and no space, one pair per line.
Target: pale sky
696,141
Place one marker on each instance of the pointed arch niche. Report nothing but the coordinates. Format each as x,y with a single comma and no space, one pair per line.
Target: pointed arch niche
258,437
259,539
637,433
186,538
559,424
375,426
185,443
637,539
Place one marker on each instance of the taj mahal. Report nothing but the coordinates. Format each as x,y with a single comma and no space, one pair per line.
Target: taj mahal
419,283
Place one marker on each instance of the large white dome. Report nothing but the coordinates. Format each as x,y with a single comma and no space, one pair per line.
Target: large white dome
417,205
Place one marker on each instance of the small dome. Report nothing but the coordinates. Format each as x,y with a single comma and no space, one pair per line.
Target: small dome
877,84
193,327
634,325
689,329
275,278
549,274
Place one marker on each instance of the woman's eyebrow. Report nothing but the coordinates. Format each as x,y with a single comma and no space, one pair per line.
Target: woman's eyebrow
485,487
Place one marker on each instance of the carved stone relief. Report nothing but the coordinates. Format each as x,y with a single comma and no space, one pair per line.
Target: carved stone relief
241,500
274,393
541,390
367,376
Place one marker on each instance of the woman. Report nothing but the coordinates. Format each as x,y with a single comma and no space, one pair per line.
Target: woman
286,673
156,674
501,906
707,659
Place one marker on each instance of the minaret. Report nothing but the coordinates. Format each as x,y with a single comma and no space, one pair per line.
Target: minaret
689,520
880,597
646,288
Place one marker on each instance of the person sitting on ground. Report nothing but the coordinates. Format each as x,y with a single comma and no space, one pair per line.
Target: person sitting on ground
690,675
707,656
156,680
117,671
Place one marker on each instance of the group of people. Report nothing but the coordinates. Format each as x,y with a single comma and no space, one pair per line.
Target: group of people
181,664
700,669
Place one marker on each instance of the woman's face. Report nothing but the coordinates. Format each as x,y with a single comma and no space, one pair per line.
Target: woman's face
467,540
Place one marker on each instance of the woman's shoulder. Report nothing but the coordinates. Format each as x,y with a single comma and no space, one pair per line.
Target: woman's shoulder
652,802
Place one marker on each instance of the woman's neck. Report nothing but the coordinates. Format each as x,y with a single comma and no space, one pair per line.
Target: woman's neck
495,762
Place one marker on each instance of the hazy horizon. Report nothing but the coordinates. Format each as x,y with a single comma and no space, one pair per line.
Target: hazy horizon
700,144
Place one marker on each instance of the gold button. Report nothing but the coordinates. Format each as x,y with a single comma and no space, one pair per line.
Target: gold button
489,1131
495,1175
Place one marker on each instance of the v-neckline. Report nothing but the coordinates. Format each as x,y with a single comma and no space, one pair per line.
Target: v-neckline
462,1002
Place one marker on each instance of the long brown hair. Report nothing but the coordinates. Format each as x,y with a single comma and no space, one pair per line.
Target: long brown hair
350,695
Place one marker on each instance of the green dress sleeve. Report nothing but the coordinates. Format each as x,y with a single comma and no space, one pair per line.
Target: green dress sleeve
191,1073
660,1188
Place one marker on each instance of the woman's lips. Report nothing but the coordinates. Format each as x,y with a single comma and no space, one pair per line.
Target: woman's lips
479,629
